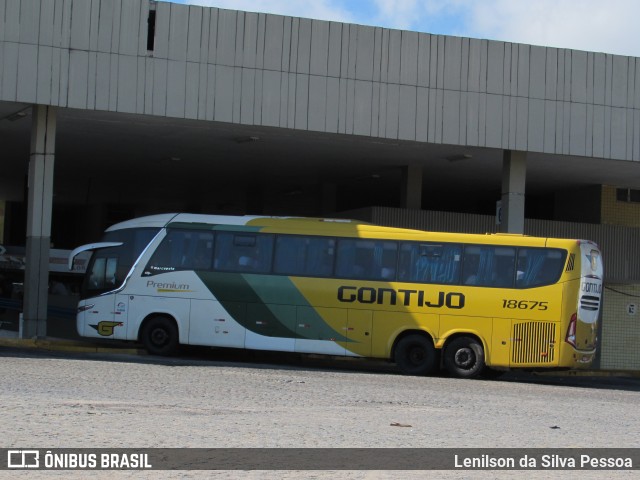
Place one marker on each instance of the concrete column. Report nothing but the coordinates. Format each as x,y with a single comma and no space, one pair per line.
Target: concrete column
40,200
514,170
411,193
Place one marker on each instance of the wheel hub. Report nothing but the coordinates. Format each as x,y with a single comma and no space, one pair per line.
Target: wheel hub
465,358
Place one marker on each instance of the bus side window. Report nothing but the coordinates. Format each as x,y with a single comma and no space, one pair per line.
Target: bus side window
300,255
489,266
366,259
243,252
430,263
539,266
182,250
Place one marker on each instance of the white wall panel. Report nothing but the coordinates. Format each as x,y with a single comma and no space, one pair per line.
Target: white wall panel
319,55
247,99
302,102
579,77
274,35
474,76
364,52
176,85
451,117
524,61
537,72
43,86
452,63
394,53
105,25
619,78
409,58
29,22
127,84
226,38
422,114
393,111
494,118
597,133
317,102
3,6
27,72
304,46
140,83
618,133
578,129
424,55
535,125
333,105
250,42
271,98
12,21
522,123
159,99
78,79
178,32
472,119
363,93
191,100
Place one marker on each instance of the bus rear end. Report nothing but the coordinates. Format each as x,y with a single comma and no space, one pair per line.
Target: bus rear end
583,303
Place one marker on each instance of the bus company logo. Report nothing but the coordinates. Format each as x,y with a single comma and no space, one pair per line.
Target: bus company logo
23,459
106,328
593,260
169,287
406,297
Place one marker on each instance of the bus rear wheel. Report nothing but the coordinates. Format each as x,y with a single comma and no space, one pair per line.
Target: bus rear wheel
160,336
464,357
416,355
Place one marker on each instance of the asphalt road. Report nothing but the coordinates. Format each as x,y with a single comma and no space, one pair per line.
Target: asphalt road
239,399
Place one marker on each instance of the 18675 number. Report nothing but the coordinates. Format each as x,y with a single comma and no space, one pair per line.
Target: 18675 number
525,304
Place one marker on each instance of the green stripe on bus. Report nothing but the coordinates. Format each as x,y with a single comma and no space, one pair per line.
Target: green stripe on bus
266,299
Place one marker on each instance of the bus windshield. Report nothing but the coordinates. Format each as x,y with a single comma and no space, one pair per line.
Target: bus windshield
109,267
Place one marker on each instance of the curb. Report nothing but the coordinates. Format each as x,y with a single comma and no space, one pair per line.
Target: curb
60,345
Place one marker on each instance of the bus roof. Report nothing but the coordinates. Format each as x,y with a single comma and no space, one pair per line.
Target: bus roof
329,227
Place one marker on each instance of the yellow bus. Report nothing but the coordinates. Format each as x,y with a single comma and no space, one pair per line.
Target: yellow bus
470,304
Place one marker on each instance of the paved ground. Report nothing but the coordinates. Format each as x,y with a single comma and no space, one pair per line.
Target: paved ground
226,399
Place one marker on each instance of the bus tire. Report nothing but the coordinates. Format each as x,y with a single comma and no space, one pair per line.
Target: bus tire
160,336
464,357
416,355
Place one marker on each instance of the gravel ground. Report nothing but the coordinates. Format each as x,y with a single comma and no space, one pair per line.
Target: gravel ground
64,400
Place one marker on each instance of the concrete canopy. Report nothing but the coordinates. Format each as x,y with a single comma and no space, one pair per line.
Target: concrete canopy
234,112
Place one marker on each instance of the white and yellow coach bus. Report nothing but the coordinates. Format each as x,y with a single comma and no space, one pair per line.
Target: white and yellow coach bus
467,303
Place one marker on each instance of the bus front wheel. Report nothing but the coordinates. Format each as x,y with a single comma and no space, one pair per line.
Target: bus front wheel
464,357
160,336
416,355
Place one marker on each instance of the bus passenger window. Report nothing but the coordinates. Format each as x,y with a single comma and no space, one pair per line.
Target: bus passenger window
539,266
300,255
489,266
182,250
243,252
430,263
367,259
